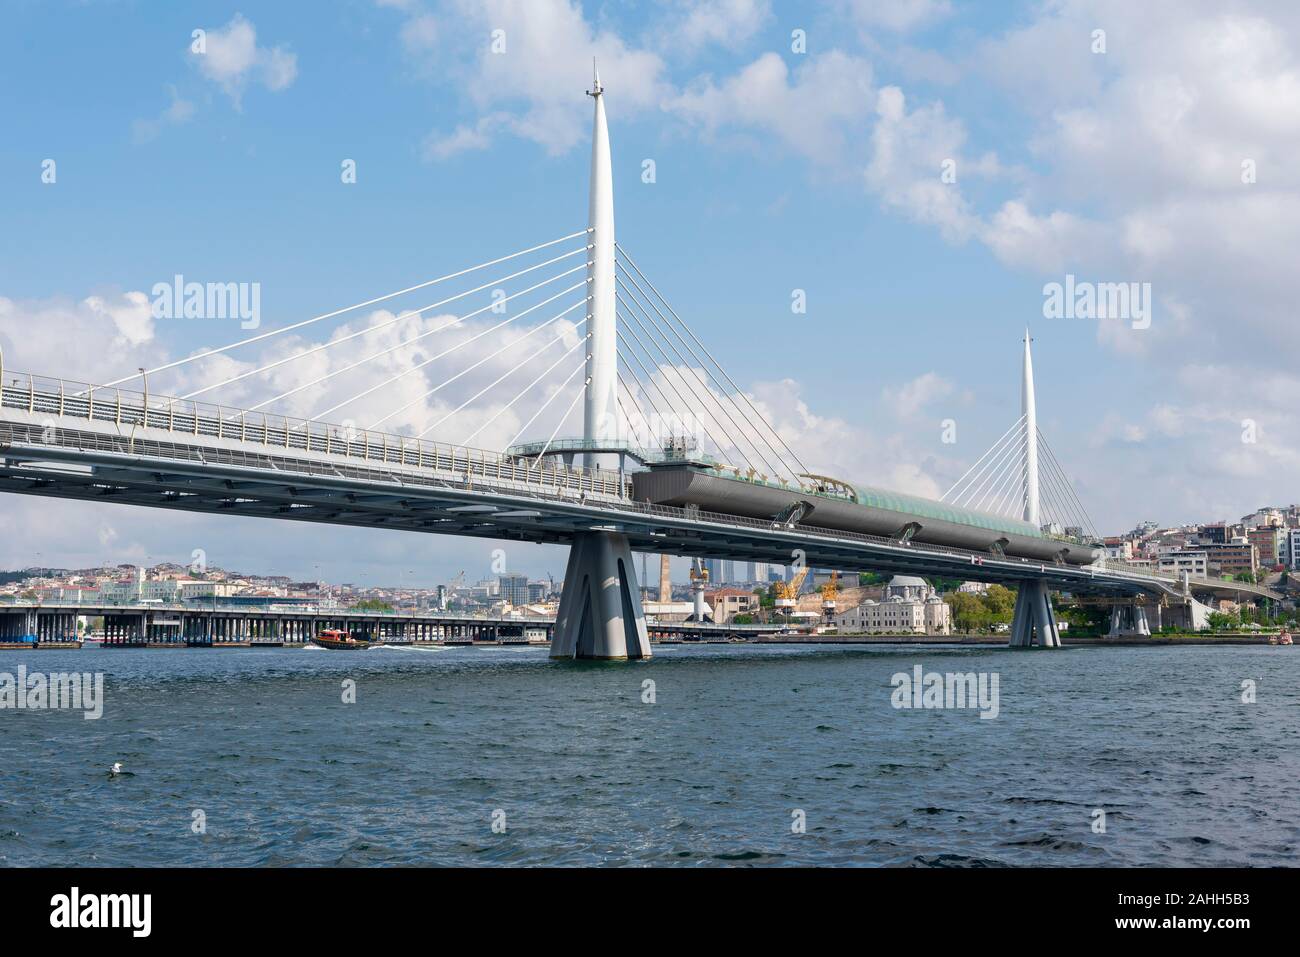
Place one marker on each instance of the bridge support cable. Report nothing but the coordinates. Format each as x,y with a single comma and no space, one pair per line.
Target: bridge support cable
1011,501
536,354
631,426
1057,500
446,352
525,390
947,496
638,429
686,405
1056,512
487,358
960,492
763,447
633,398
559,425
338,312
1056,495
694,406
1004,490
628,356
1054,465
549,399
1052,510
1007,474
642,390
723,372
381,325
641,299
990,472
446,325
1011,457
992,467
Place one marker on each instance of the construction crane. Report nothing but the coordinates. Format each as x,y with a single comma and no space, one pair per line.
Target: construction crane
787,593
699,579
830,591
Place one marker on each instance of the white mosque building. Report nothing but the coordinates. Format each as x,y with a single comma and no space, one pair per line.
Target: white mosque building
909,606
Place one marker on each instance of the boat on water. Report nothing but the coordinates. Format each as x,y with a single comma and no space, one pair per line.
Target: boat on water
1284,638
336,640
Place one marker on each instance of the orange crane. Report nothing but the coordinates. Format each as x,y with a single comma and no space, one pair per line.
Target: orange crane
787,593
830,591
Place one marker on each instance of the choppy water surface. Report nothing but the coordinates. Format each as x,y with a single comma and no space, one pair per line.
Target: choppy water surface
586,773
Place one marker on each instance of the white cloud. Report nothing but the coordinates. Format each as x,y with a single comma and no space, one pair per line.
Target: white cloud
725,23
232,59
131,315
534,86
464,139
112,331
807,110
1050,243
911,398
419,34
911,152
1142,151
904,459
899,15
176,112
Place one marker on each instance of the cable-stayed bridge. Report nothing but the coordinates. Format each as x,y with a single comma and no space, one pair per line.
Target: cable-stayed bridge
672,455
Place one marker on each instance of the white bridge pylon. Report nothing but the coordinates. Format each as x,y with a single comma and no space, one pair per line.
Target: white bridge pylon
1007,481
600,614
1033,619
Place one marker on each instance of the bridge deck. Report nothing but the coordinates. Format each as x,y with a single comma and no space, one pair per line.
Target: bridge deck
73,440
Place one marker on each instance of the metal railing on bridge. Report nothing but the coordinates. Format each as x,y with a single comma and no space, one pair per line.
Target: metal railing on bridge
128,410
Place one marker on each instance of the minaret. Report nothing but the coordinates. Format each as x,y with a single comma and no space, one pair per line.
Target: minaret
1031,437
599,419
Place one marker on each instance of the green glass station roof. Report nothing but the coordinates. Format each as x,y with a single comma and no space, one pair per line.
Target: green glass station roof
927,508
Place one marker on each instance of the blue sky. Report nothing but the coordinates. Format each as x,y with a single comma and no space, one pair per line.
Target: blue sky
775,171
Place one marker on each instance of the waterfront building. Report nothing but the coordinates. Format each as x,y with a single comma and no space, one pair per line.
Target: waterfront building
1118,549
63,593
1214,533
1235,558
197,590
1267,540
909,605
513,589
908,588
898,616
1176,561
727,603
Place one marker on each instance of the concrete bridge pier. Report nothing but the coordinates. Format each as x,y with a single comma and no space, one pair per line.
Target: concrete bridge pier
600,614
1189,614
1034,619
1130,621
